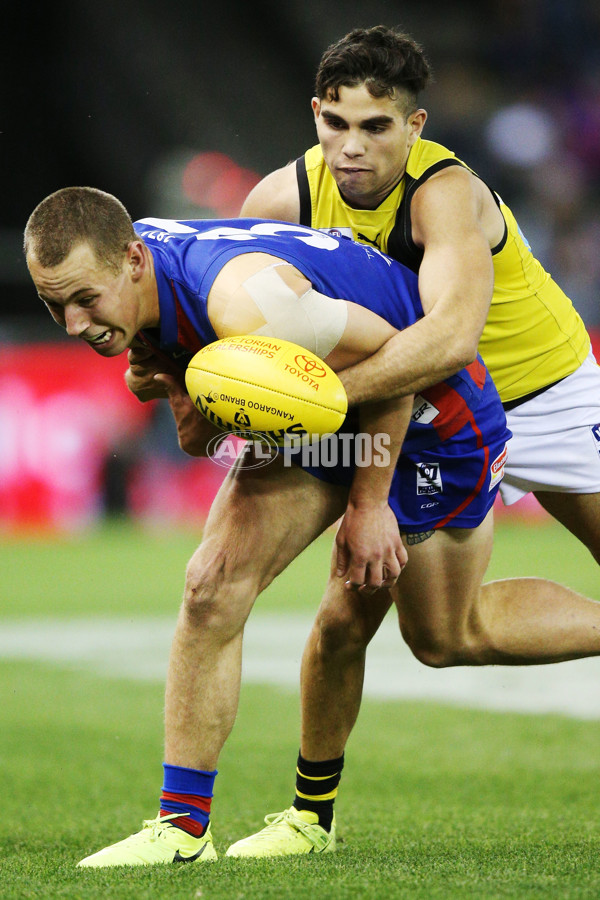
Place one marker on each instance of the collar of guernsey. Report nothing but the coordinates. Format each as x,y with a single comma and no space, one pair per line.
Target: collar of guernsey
184,323
533,336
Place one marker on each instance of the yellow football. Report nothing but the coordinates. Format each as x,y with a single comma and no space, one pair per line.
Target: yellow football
255,384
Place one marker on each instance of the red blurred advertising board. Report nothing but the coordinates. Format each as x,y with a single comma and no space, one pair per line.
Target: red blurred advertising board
62,410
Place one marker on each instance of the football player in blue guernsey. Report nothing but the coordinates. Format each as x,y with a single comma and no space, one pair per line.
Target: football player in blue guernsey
415,531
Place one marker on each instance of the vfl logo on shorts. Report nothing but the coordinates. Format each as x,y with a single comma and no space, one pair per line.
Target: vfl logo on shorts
497,469
596,436
429,478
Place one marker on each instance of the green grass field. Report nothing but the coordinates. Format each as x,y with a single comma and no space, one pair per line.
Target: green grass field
436,802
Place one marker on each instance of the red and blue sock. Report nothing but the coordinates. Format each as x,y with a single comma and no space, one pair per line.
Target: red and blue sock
188,793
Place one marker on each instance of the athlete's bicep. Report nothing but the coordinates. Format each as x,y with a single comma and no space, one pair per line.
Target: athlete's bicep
447,223
456,274
260,294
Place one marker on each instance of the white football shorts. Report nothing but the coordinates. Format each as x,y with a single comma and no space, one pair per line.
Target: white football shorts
556,438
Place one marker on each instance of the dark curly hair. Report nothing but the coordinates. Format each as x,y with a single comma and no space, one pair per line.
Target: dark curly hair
384,59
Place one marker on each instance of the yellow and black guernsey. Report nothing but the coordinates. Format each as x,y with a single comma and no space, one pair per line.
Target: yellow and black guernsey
533,336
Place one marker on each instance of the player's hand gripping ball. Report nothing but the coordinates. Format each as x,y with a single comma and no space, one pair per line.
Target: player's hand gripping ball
255,384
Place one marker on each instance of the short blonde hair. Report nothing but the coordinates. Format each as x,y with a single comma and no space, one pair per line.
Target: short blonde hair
79,215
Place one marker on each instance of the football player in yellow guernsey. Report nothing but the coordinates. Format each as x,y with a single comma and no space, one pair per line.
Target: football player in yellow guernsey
373,178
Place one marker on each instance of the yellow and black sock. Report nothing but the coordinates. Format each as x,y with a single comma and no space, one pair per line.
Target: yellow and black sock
317,787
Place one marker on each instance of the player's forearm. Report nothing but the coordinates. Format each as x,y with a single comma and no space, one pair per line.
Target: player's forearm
411,360
386,424
194,431
456,280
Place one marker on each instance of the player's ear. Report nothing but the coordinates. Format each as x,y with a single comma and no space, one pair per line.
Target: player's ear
136,259
416,122
316,107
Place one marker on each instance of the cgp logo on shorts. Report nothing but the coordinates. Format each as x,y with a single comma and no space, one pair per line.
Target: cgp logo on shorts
253,448
429,478
596,435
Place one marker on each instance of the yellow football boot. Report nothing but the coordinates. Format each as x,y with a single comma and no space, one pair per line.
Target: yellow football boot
288,833
159,842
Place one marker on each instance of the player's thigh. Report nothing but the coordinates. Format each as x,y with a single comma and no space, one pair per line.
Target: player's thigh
580,513
262,518
439,588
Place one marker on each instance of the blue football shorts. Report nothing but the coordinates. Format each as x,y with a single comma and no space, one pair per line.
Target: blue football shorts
450,485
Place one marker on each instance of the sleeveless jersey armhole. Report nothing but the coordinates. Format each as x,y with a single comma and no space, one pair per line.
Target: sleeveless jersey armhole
304,193
400,243
500,245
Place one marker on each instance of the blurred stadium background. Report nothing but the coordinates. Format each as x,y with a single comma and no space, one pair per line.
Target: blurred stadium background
179,109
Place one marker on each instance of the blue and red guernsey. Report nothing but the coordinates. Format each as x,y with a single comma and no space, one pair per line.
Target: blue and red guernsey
188,255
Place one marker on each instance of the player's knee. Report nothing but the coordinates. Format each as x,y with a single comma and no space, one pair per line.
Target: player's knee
440,650
214,600
341,632
434,654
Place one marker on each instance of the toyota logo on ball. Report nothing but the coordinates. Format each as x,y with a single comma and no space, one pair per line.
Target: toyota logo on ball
310,365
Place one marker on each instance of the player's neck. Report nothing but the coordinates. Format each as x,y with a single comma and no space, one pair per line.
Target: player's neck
149,301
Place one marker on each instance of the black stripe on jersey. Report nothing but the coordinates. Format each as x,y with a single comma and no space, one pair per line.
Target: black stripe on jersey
504,237
304,192
400,243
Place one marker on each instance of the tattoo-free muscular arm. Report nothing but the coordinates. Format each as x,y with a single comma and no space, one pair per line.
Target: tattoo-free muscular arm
194,431
152,376
275,197
370,552
453,222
